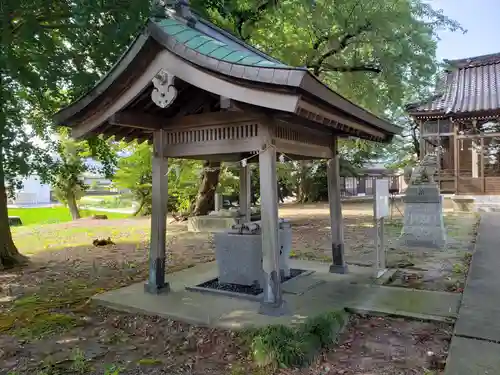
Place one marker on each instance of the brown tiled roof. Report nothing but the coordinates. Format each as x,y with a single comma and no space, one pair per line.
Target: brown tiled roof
470,86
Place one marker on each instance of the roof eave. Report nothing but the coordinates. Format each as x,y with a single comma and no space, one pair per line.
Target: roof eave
314,86
429,114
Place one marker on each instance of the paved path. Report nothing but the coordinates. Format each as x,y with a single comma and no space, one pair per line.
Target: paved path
475,347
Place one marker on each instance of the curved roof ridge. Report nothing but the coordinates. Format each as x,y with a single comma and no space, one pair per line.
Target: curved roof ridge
474,61
213,47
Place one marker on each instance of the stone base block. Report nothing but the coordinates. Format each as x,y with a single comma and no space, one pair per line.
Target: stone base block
239,258
155,289
423,222
340,269
410,239
463,204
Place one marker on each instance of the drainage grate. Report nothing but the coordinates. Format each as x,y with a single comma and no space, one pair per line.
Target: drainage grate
247,290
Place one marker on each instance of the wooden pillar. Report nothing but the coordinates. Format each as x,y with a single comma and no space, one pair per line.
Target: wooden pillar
336,223
245,192
456,152
422,143
439,156
481,166
156,282
475,160
272,303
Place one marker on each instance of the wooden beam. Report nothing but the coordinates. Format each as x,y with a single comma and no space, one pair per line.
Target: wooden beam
481,166
456,150
272,301
421,136
245,192
157,253
336,223
137,120
213,147
134,135
482,135
123,133
147,121
298,148
329,116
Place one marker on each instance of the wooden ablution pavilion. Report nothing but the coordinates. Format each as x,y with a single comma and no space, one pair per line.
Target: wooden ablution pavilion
461,123
196,91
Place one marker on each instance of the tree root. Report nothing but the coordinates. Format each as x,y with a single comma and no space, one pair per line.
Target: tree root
11,261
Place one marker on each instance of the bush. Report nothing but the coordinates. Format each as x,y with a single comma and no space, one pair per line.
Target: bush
280,346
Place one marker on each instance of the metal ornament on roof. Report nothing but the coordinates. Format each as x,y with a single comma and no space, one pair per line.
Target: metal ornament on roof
164,92
178,9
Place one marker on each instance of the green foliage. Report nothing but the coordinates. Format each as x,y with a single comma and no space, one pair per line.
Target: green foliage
80,364
46,47
325,327
380,55
282,346
149,362
308,179
183,183
109,201
67,182
70,165
135,174
113,370
459,268
51,53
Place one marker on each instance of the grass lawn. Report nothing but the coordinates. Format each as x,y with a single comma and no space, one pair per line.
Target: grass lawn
108,201
52,215
33,239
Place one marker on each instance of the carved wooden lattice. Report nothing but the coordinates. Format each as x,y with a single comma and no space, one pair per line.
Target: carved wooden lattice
290,134
213,133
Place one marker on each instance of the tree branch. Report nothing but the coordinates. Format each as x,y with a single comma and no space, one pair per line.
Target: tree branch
320,39
341,45
355,68
252,16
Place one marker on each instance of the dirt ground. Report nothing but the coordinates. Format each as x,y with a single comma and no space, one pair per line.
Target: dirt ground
443,269
385,346
48,327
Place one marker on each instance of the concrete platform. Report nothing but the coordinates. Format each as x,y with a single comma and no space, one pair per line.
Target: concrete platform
316,292
480,304
475,344
473,357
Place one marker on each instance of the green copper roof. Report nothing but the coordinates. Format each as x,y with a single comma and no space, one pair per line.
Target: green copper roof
209,46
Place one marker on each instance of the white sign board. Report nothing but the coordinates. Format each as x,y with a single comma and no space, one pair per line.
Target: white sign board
381,198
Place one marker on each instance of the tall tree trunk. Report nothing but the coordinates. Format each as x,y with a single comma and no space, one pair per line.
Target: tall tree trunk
205,199
303,188
9,255
73,207
141,206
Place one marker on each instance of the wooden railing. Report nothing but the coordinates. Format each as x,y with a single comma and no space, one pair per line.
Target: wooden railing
364,185
466,184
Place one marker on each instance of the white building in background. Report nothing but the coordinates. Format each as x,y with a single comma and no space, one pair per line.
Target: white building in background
33,192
